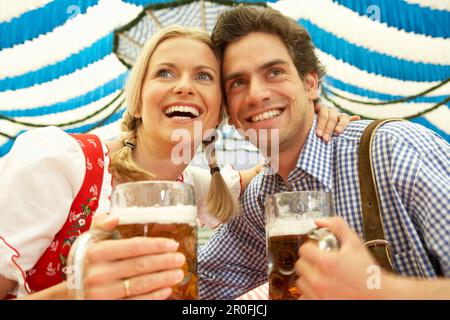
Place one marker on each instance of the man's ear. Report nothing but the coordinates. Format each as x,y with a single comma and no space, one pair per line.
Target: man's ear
311,81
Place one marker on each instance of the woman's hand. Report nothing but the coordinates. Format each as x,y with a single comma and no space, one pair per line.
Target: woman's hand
329,120
136,268
6,285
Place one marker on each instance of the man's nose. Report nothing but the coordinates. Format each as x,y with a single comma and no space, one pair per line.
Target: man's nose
257,91
184,86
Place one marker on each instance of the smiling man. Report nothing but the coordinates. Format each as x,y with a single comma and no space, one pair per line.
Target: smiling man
265,91
271,79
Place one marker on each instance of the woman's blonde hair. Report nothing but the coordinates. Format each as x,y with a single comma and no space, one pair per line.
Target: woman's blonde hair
219,201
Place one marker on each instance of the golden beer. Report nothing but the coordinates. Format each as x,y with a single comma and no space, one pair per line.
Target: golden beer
290,223
283,251
178,223
284,238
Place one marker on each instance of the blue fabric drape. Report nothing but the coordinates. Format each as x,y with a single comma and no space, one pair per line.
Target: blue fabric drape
97,51
405,16
71,104
339,84
32,24
374,62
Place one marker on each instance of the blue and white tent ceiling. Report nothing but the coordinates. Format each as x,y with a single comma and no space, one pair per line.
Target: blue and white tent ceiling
384,58
130,38
57,64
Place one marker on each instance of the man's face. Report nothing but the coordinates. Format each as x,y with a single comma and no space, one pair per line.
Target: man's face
264,90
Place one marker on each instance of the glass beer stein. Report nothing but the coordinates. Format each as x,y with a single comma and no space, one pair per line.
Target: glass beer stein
290,223
150,209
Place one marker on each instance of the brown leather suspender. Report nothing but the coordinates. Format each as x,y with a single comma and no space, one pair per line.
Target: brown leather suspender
372,222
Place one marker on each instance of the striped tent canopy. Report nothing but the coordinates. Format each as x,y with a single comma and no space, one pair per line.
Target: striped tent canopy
64,62
384,58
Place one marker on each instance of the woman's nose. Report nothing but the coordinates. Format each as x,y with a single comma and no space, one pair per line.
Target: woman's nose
184,86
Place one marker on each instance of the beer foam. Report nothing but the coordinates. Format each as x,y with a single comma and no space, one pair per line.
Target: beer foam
289,225
163,215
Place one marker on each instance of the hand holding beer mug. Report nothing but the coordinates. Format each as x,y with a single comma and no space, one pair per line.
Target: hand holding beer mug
153,209
290,223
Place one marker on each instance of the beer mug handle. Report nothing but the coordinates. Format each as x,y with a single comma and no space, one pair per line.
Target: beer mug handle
75,262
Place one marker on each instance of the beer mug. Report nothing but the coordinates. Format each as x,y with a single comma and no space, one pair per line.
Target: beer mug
290,223
150,209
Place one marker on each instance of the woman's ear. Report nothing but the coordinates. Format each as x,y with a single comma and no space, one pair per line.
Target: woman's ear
311,82
138,112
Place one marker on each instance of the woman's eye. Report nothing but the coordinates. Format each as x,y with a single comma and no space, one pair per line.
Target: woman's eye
164,73
205,76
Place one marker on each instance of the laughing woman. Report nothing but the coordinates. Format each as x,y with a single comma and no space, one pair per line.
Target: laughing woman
57,182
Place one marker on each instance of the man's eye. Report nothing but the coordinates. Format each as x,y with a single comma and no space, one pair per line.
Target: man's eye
164,73
237,83
275,73
204,76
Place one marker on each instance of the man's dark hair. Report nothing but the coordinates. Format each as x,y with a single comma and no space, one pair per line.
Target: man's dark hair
243,19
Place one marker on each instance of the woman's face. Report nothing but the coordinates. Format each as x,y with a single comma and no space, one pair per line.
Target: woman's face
181,87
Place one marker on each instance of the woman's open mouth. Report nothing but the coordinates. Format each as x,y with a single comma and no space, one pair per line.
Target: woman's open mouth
182,112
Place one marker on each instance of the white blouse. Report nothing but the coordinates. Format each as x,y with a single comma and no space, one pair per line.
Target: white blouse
39,179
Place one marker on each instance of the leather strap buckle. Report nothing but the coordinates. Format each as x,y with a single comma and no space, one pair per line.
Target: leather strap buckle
377,242
381,243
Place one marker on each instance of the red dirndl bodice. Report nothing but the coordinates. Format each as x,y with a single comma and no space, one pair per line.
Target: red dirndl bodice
51,267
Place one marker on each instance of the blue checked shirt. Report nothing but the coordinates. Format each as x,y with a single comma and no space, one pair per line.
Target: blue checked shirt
412,170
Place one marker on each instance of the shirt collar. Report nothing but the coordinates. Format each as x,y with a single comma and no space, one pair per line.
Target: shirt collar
316,157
